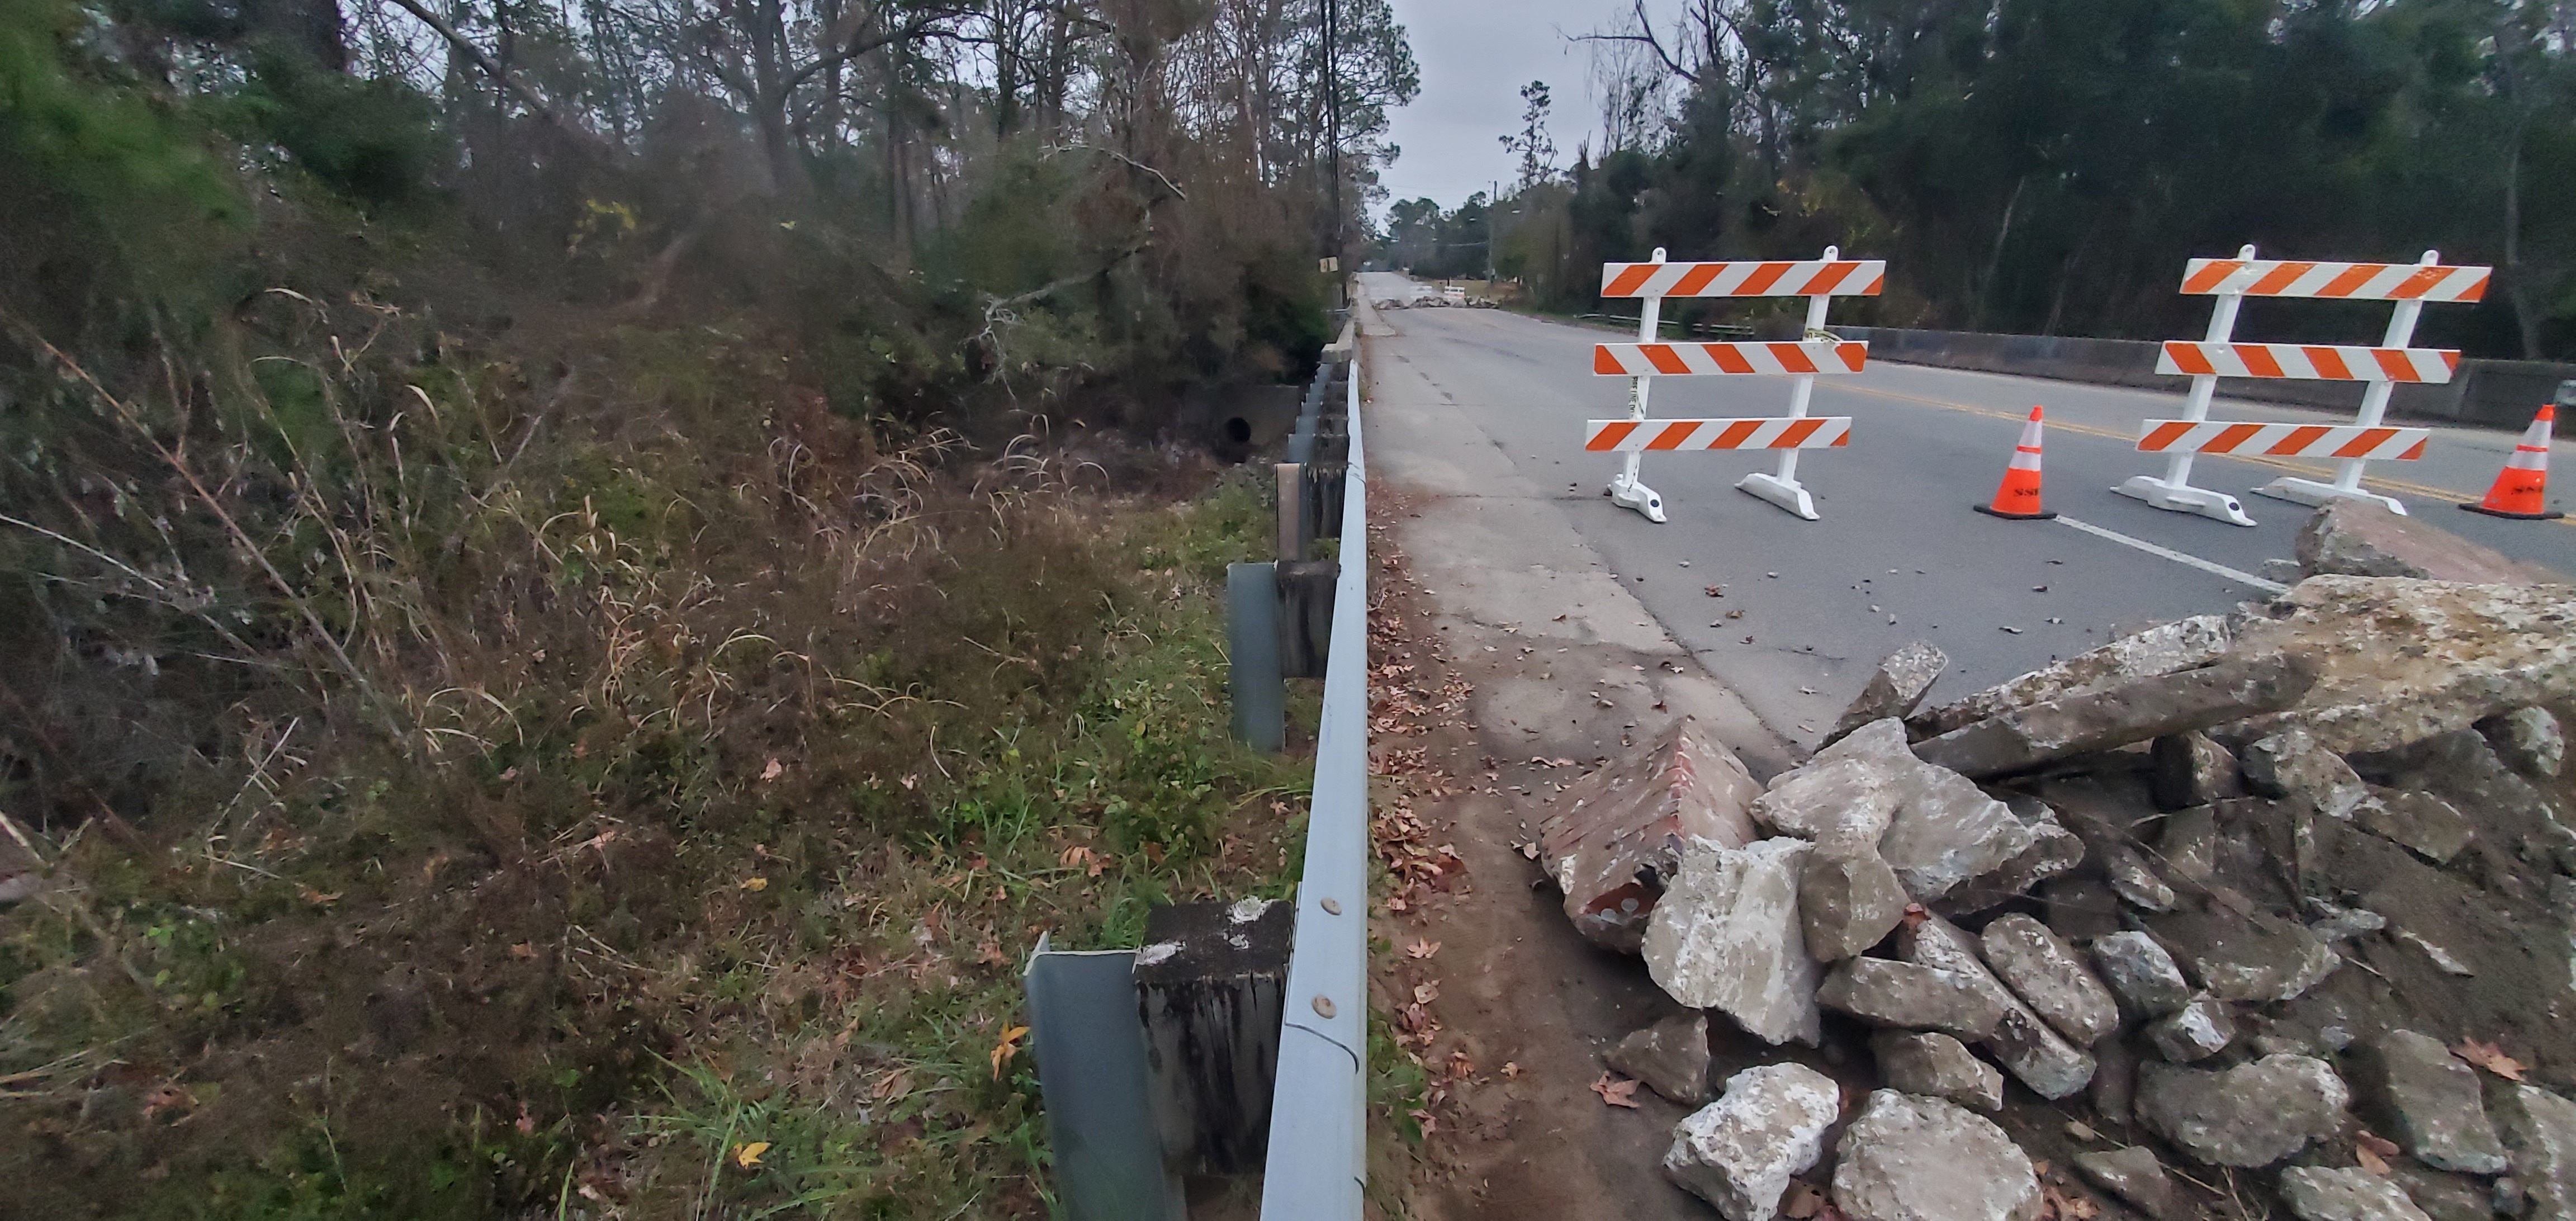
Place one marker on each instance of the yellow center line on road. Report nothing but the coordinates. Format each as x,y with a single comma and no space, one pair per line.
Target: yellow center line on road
2309,470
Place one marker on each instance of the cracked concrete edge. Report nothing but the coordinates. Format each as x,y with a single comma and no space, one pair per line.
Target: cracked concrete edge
1559,647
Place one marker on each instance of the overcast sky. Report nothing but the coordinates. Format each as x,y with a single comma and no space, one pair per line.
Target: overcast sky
1475,56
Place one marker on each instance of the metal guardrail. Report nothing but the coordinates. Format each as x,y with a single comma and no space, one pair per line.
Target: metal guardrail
1318,1125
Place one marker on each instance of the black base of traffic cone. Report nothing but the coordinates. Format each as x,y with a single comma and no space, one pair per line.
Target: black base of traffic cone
2551,515
1991,511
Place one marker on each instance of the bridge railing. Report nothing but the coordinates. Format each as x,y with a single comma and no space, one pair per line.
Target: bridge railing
1318,1124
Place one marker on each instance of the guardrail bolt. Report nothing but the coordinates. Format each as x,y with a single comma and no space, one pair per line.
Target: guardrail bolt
1324,1006
1332,906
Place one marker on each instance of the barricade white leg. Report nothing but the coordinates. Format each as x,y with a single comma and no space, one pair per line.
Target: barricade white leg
2374,405
2174,492
1782,488
1626,490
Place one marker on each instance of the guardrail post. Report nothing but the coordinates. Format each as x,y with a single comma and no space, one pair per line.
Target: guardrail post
1209,984
1296,532
1305,616
1252,649
1090,1051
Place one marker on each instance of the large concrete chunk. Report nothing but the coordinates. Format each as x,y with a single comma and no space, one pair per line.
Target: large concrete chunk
2053,850
2163,649
1848,900
2399,661
2426,1098
1613,840
2195,1032
2417,821
2250,1115
2293,764
1937,1066
2528,739
2540,1143
2353,538
1933,826
2253,957
2134,1175
2192,771
1947,832
2147,708
1893,689
2145,976
2050,977
1671,1057
1912,996
2022,1042
2318,1194
1921,1159
1739,1152
1727,937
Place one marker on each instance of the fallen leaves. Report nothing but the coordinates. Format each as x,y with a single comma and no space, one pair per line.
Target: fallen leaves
754,884
2066,1205
1615,1091
747,1154
1421,949
2373,1152
2491,1058
1511,1068
1425,993
1082,858
1007,1047
773,771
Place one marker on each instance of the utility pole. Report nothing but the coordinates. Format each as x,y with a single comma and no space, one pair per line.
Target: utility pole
1493,205
1333,114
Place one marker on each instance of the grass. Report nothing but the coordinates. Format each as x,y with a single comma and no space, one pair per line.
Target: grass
629,797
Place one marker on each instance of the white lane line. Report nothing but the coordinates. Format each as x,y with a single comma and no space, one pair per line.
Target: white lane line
2193,561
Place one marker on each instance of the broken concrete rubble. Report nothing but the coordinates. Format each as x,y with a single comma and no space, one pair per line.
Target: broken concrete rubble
2429,1101
2539,1130
1937,1066
2135,1176
2029,736
1727,937
1613,839
1921,1159
2254,1114
1893,689
2022,1042
2189,844
1934,827
2146,977
2191,770
1848,900
2053,851
2399,661
2194,1032
2529,740
2293,764
2359,539
1739,1152
2050,977
2163,649
2318,1194
1671,1057
2417,821
1915,997
2254,956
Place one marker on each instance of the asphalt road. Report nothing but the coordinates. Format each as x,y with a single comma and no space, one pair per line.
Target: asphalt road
1899,555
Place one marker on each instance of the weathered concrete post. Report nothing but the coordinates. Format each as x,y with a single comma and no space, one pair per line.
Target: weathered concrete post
1209,988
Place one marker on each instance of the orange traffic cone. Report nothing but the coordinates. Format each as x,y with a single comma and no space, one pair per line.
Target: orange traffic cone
2018,496
2519,489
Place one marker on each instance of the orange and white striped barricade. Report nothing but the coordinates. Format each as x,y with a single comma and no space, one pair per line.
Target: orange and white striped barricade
2380,368
1815,353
